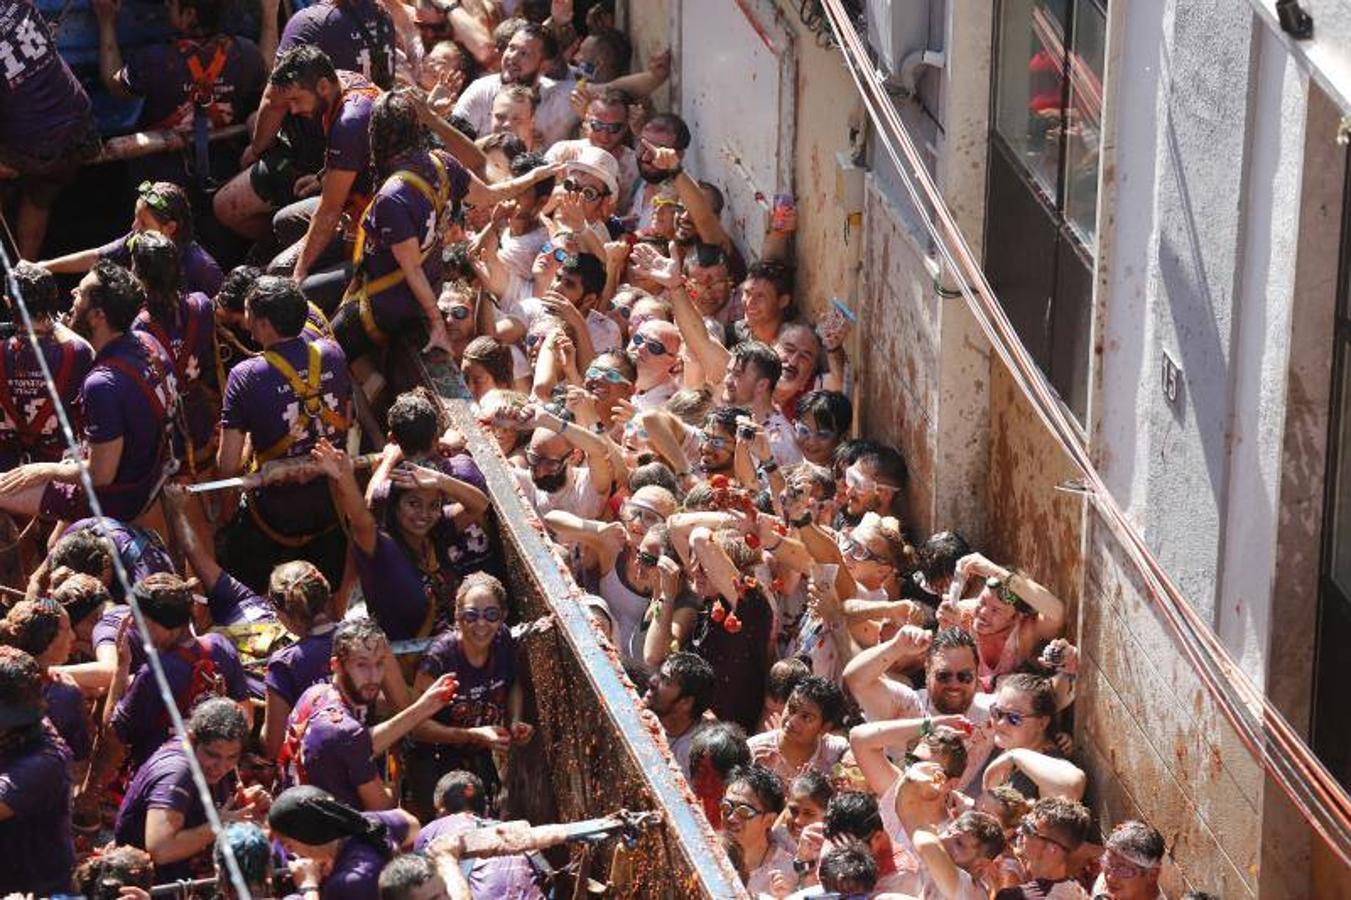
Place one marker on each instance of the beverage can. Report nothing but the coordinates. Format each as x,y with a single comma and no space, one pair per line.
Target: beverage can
835,324
778,212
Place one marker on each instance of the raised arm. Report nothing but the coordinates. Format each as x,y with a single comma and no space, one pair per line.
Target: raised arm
1053,777
337,465
865,675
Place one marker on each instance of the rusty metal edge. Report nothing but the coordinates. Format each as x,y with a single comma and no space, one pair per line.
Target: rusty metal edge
707,860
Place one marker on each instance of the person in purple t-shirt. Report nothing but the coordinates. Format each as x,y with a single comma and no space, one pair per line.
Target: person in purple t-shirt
336,851
283,401
195,667
234,343
357,35
41,628
46,122
184,324
35,828
29,429
486,715
328,741
162,811
199,71
160,206
461,805
127,398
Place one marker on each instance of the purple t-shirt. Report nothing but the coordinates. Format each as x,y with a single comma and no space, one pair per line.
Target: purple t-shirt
161,74
141,551
201,272
116,405
164,781
400,212
347,132
69,715
105,633
470,549
232,603
336,753
481,698
140,719
41,102
497,876
358,35
69,360
39,847
356,871
397,592
191,342
294,669
260,401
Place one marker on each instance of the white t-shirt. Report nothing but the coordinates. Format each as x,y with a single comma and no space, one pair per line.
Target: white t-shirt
655,397
904,702
554,119
577,495
603,331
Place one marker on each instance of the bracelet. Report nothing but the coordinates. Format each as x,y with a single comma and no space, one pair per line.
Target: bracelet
926,727
802,522
768,467
306,888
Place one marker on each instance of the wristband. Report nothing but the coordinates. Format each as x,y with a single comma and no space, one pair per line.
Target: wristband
306,888
768,467
926,727
802,522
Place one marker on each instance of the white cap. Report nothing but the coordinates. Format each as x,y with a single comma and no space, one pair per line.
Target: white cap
597,162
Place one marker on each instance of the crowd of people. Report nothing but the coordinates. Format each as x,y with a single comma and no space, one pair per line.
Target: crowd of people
860,710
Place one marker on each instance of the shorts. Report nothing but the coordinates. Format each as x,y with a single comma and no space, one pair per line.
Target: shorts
351,334
65,501
273,176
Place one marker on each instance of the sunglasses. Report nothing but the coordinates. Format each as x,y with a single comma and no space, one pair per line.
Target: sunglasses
624,311
654,346
599,373
459,313
715,441
806,434
605,127
632,511
999,714
558,253
647,560
1027,830
589,193
470,616
966,676
153,198
859,552
735,809
532,339
543,462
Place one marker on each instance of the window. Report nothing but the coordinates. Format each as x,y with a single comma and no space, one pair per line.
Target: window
1042,198
1331,713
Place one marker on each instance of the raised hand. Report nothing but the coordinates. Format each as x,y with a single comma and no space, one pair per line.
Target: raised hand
648,261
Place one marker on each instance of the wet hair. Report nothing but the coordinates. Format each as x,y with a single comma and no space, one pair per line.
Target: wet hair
315,817
303,66
952,638
690,405
1068,819
253,853
886,463
519,92
102,875
83,596
352,632
814,785
948,749
280,301
706,256
822,480
829,409
776,273
1038,689
83,550
1139,840
617,46
527,162
724,418
937,557
850,451
117,294
218,719
826,694
848,869
403,875
985,828
673,123
494,356
762,356
1012,804
21,695
236,286
853,814
31,625
156,263
463,126
164,599
481,581
208,14
589,269
715,196
695,677
395,130
654,474
723,745
460,791
39,290
785,675
764,782
174,207
299,590
415,421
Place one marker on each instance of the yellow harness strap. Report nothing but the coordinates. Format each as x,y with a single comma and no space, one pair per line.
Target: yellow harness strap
308,392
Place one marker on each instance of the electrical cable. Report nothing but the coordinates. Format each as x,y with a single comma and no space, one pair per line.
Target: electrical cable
1259,725
152,654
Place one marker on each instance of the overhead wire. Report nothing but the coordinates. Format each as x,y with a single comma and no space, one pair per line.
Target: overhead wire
1261,727
152,654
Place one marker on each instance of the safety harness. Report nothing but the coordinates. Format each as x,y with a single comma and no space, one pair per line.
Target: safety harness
180,360
290,759
205,680
159,409
30,432
205,74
